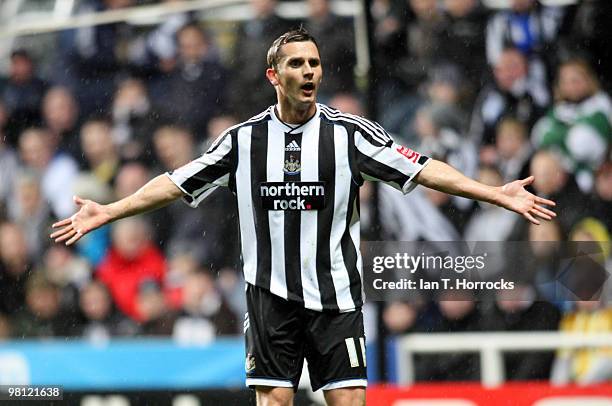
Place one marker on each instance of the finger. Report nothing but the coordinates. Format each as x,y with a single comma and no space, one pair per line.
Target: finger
60,232
531,218
527,181
545,210
65,236
547,202
540,214
77,200
74,239
61,223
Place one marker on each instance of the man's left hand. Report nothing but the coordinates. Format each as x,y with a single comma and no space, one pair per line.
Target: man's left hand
530,206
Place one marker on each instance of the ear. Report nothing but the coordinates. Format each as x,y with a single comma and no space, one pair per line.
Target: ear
272,76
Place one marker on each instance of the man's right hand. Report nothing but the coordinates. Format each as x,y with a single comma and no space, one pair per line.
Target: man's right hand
90,216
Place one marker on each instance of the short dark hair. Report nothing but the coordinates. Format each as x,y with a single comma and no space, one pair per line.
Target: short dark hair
297,35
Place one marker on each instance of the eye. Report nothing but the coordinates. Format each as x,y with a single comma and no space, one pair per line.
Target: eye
294,63
315,62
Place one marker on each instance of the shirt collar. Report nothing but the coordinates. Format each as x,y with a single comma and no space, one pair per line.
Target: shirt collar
289,128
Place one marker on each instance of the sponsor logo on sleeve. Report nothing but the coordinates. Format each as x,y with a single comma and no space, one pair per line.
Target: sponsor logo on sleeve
409,154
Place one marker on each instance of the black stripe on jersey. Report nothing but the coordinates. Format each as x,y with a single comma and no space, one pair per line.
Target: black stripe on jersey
231,184
327,174
372,131
293,221
209,174
380,171
349,253
259,158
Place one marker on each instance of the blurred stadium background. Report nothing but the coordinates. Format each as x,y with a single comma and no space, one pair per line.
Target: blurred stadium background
98,96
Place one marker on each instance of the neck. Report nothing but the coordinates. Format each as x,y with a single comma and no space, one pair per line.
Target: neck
295,115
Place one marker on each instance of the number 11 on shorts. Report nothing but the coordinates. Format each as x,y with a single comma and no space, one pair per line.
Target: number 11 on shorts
352,351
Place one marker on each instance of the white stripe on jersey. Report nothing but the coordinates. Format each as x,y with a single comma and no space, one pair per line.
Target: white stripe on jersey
276,218
372,128
308,224
245,205
343,181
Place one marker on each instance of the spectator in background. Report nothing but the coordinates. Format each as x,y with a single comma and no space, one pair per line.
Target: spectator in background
5,328
588,365
588,35
490,223
30,212
529,27
22,92
192,93
61,119
43,316
601,204
337,39
131,259
97,317
389,36
457,312
403,317
579,126
204,313
428,221
514,92
553,180
513,150
248,93
68,271
157,50
15,268
216,126
154,315
590,315
180,266
521,309
543,259
425,36
89,58
130,177
38,153
8,164
101,155
133,120
463,41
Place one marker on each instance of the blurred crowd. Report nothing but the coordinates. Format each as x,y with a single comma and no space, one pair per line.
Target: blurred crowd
499,94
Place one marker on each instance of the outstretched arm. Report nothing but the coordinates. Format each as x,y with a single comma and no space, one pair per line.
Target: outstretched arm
512,196
157,193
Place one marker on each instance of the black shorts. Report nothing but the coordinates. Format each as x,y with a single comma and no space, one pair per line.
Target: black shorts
281,333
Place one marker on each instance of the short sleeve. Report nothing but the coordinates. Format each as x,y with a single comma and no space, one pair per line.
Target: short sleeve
200,177
379,157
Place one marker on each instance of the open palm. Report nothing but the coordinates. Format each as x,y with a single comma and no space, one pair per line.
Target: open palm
89,217
525,203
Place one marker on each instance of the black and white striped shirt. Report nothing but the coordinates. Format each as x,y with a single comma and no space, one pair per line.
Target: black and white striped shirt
298,202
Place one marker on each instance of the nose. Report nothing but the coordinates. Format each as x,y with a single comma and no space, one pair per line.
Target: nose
308,71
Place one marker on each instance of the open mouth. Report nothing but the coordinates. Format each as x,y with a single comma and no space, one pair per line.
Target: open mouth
308,86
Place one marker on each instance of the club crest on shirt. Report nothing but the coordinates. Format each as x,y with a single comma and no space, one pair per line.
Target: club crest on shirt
292,166
249,363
